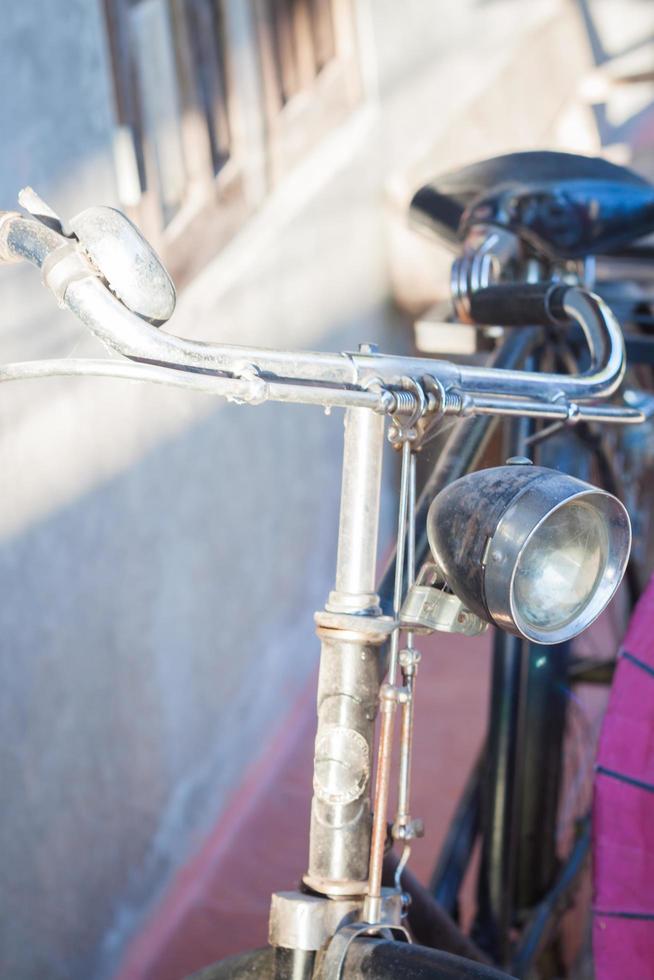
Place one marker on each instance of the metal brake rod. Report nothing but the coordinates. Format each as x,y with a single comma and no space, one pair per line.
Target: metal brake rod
254,391
79,288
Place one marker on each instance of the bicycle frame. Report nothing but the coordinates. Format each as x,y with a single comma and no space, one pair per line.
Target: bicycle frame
540,886
344,874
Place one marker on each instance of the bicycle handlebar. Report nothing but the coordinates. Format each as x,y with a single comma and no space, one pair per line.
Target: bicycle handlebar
362,378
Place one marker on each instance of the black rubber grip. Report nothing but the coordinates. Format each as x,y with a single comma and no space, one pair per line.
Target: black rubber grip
520,305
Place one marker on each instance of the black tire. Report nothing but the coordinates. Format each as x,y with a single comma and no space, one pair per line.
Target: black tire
257,964
382,959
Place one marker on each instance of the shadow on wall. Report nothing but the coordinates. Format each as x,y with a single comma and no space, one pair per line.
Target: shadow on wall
150,634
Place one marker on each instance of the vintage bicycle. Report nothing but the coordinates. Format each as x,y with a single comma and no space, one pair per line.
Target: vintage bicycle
532,551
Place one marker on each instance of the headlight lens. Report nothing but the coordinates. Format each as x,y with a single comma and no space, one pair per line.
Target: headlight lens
532,550
561,566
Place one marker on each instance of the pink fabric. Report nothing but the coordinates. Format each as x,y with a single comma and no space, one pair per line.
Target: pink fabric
623,812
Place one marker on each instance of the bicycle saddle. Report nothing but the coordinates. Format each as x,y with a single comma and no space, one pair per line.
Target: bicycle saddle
563,204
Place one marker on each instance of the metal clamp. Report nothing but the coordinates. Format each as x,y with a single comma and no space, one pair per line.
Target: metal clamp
65,265
336,953
428,608
304,921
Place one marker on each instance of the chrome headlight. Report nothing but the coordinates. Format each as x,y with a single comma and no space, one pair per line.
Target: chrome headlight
534,551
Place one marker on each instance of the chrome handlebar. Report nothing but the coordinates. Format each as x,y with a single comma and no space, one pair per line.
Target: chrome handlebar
388,384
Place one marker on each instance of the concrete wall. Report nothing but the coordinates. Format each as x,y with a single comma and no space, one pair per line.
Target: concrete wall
161,554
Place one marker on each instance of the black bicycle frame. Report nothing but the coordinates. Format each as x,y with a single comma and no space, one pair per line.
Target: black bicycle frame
526,727
521,882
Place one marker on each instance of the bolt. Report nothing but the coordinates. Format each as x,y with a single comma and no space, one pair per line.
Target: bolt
409,658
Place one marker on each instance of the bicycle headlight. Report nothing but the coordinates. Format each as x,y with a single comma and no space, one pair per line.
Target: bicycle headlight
534,551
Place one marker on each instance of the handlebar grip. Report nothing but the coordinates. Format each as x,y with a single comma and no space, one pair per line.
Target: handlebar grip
520,305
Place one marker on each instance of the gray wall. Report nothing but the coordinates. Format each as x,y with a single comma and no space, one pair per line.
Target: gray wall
161,554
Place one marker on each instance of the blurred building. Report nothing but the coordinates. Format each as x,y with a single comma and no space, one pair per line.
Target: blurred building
161,554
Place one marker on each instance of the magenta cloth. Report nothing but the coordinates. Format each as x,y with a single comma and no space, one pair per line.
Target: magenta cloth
623,811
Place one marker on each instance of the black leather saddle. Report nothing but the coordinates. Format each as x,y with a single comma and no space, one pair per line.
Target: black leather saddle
566,206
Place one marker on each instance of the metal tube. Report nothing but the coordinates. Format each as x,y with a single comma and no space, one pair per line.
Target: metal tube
349,681
389,700
499,797
348,689
256,390
359,519
126,333
543,757
410,667
456,852
411,540
475,404
399,565
372,905
502,777
293,964
253,391
406,745
89,299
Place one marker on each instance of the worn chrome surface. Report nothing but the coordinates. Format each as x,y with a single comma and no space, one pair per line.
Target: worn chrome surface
486,251
427,608
131,267
302,921
402,435
346,850
334,960
363,373
405,828
389,698
359,517
63,266
538,501
351,630
348,687
125,333
480,526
